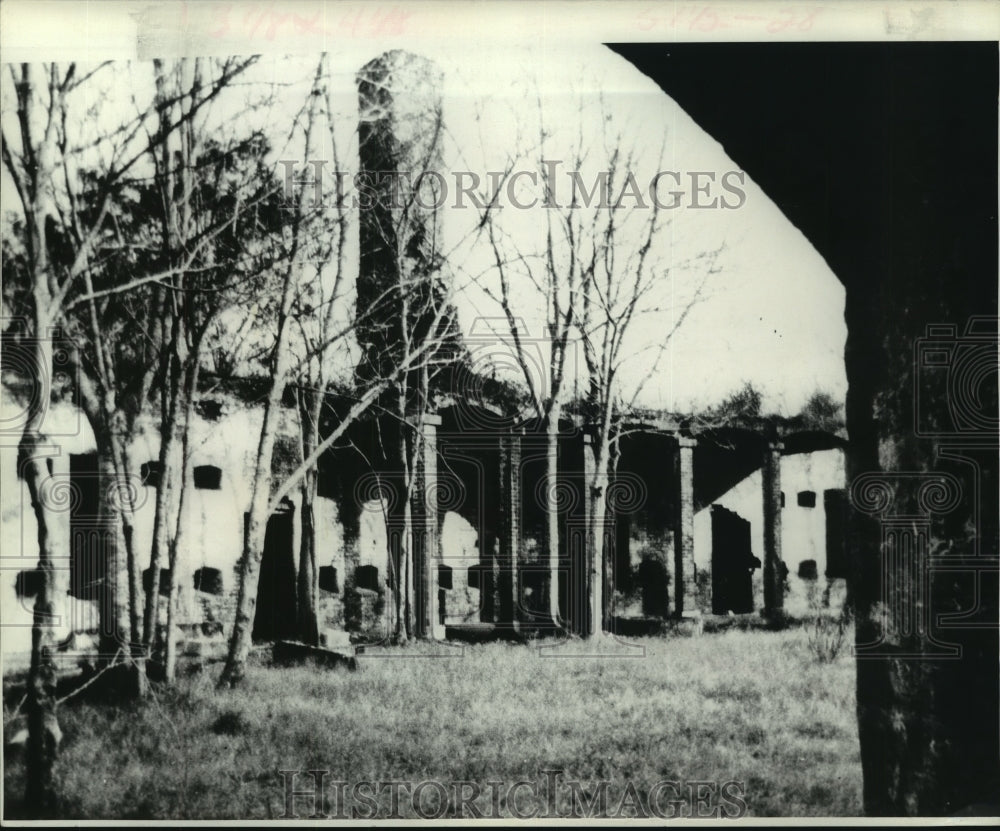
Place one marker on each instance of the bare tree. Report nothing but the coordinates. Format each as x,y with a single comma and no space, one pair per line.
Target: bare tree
61,223
400,138
280,366
627,263
599,273
107,280
553,276
219,198
320,311
31,163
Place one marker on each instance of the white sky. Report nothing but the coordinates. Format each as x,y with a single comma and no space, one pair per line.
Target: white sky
772,315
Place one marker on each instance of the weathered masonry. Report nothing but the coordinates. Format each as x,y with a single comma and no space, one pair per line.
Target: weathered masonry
728,518
480,518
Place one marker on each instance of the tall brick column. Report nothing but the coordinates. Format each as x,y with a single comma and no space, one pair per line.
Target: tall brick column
509,532
399,130
685,576
426,532
774,578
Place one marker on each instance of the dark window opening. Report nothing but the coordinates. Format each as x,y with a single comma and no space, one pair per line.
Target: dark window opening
835,505
208,477
807,499
476,577
28,583
445,577
147,581
808,570
366,577
150,473
782,499
208,580
328,579
209,410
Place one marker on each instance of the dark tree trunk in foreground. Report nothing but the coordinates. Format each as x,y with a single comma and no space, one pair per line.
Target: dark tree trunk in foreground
927,713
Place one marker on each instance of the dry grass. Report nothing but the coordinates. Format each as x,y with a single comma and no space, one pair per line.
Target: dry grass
754,707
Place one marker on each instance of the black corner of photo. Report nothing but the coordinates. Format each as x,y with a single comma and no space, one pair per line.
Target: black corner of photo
884,155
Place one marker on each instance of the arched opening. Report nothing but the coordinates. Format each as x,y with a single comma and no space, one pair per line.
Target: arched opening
274,617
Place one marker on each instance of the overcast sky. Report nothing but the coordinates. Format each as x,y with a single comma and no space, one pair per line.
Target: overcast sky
772,313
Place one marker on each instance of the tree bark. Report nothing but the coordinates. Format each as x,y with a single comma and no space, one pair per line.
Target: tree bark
307,580
189,390
253,544
308,589
165,499
407,573
48,500
403,583
115,633
133,572
597,565
928,721
121,604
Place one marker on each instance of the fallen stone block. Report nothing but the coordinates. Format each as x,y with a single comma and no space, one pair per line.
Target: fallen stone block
290,653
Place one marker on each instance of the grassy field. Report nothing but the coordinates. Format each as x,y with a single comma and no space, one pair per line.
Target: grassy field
752,707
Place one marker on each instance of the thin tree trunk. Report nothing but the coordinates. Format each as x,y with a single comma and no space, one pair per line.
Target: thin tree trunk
169,445
308,590
407,569
403,629
133,572
597,564
310,410
171,390
43,725
176,544
253,544
121,598
260,501
114,627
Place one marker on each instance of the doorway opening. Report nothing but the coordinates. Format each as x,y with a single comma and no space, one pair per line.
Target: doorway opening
274,618
732,563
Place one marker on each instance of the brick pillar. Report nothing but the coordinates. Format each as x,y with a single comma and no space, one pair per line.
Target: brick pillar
509,530
685,576
774,577
426,532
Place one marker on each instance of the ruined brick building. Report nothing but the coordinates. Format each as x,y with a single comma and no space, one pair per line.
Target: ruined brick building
726,519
